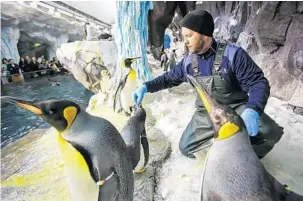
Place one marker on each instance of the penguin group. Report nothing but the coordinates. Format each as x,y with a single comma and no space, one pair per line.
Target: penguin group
99,161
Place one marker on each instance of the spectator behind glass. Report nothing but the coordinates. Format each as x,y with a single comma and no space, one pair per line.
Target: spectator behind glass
39,60
34,64
15,71
13,68
57,62
22,64
27,61
42,66
34,67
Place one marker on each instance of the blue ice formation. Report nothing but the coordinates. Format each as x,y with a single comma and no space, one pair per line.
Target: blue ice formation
131,35
9,40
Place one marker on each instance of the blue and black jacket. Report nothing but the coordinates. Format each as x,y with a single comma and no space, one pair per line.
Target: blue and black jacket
244,74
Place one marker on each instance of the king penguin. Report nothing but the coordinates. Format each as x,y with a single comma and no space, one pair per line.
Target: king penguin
127,86
232,171
133,133
96,162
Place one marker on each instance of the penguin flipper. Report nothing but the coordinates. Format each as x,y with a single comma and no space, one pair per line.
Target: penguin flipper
117,95
118,92
145,146
292,196
286,194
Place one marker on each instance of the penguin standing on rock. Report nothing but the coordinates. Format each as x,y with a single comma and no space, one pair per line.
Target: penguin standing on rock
126,87
134,132
232,170
97,165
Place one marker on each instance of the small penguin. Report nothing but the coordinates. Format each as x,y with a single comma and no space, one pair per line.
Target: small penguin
127,86
97,165
232,170
133,131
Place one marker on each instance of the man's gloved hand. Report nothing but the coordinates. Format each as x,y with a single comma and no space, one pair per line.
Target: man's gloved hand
251,120
138,95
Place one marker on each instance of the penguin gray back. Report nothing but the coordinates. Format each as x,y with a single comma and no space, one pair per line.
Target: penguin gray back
133,133
134,127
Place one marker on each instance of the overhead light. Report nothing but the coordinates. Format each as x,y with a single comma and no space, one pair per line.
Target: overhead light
37,44
94,25
44,5
51,11
65,12
21,2
19,7
33,4
80,18
57,14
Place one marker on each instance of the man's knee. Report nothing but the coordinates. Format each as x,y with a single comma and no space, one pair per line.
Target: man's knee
184,149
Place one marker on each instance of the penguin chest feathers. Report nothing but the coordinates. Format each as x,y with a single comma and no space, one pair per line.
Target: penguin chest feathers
131,81
132,75
232,170
79,180
129,87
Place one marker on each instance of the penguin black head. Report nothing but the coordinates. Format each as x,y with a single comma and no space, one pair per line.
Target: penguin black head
58,113
138,110
226,122
128,61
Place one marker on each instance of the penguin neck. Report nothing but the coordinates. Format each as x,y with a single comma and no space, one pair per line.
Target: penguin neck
234,145
239,134
132,74
227,130
77,125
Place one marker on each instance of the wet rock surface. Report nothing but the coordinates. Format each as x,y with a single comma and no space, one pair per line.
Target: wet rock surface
272,34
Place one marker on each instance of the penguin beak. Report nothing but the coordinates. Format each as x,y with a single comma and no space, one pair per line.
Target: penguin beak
134,59
208,102
28,105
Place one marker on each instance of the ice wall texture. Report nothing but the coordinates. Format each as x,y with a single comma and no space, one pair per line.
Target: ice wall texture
9,40
131,35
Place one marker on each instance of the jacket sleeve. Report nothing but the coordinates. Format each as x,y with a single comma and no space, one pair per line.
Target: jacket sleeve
168,79
251,80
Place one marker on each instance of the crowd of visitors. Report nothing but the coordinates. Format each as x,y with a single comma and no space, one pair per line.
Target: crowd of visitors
29,67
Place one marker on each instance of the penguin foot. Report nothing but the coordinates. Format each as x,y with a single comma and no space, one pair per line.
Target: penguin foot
100,183
140,171
126,113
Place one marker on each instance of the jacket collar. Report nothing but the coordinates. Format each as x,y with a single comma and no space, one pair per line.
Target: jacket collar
211,51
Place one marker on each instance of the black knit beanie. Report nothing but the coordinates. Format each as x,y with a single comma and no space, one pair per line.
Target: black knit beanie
199,21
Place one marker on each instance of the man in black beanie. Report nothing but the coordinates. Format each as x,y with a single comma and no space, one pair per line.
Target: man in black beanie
238,82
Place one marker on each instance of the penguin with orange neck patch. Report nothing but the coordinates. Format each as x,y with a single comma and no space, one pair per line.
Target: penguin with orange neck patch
127,85
96,162
232,171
